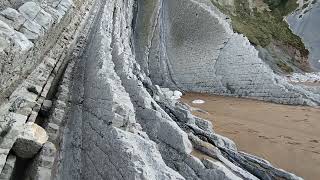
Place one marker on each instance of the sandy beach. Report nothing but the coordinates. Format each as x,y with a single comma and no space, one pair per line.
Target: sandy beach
287,136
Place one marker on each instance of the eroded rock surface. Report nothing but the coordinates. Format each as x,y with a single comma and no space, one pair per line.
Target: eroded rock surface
193,47
305,23
30,141
109,118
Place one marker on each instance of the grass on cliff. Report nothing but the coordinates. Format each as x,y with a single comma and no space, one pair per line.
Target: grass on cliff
263,27
284,66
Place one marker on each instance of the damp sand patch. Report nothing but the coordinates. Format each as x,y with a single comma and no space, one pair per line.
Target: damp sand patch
287,136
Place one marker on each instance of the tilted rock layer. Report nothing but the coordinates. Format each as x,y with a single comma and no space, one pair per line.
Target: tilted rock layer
191,46
109,118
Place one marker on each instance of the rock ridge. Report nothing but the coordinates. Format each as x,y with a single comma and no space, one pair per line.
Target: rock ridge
195,49
100,91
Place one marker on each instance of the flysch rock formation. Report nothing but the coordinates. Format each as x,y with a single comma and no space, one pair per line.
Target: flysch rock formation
84,90
305,23
191,46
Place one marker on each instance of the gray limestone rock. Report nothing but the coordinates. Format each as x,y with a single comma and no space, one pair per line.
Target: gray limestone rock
4,43
30,140
100,138
218,170
22,42
41,166
14,18
32,30
257,166
44,19
30,10
11,126
46,107
194,46
8,168
110,119
16,38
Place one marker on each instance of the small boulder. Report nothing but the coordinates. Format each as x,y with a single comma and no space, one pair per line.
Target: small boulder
44,19
30,141
45,108
176,95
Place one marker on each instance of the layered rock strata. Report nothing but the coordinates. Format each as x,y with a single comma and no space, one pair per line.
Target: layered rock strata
109,119
26,34
47,63
190,45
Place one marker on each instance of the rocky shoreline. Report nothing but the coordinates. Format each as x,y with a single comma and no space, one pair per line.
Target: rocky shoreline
92,93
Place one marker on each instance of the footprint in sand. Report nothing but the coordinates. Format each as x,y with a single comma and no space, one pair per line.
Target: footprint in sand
299,120
316,152
265,137
238,124
314,141
286,137
252,131
294,143
231,132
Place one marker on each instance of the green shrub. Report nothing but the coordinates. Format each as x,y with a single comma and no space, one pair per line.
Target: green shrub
261,28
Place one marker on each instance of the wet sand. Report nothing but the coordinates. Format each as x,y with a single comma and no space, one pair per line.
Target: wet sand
286,136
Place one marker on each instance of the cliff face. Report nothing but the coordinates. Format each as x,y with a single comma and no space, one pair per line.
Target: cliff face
305,23
262,21
92,83
191,46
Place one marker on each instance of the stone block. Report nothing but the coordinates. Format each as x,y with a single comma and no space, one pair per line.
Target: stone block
16,19
30,10
44,19
30,141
